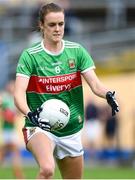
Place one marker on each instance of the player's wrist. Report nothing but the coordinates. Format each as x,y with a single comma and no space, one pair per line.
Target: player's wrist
110,96
29,114
33,117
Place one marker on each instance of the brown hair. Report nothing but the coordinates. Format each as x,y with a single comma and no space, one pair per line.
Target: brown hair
45,9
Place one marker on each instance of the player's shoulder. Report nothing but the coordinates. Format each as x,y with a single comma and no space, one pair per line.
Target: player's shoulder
71,44
36,47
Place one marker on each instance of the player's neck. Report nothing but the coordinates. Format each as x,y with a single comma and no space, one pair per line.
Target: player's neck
53,47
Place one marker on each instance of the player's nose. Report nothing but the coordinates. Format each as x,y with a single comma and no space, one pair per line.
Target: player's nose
57,27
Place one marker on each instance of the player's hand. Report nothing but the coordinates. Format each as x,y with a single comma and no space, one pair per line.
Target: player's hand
112,102
36,120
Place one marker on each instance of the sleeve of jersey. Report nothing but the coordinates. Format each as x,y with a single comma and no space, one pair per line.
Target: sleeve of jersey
85,60
24,67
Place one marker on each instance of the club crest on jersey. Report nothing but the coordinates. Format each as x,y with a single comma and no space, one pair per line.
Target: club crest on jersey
71,63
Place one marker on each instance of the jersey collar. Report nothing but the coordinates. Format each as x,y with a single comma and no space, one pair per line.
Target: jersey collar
49,52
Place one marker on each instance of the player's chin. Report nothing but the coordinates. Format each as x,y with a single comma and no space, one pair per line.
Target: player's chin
57,38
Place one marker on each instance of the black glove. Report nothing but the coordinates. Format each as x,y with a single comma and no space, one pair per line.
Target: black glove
112,102
36,120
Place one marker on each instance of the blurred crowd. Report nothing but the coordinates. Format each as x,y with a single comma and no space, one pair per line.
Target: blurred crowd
9,146
100,130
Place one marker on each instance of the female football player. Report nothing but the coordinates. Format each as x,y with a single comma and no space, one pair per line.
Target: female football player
52,69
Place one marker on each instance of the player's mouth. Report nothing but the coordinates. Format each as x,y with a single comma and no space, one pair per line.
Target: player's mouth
57,35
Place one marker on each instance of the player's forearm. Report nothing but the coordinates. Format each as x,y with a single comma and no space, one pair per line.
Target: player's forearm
95,84
100,90
20,102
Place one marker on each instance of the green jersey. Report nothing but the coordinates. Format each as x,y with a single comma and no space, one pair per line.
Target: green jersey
56,76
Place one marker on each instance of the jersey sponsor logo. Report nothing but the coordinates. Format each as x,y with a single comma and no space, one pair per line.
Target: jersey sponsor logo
54,84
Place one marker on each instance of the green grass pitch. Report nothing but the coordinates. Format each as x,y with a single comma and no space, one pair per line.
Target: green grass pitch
89,173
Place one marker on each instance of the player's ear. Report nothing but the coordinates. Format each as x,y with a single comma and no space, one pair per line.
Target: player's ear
40,24
41,28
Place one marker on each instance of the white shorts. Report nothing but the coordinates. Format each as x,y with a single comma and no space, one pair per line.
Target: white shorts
63,146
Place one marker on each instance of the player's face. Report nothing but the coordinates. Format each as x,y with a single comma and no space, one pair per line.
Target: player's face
53,27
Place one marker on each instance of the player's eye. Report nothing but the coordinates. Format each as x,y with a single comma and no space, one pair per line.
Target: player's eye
61,23
52,24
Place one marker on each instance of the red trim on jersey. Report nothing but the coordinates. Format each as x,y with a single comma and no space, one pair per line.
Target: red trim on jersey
54,84
24,130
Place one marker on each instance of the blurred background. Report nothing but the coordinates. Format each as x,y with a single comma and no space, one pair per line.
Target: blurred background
106,28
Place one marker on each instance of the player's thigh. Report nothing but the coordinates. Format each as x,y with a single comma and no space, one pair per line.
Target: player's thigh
71,167
42,148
